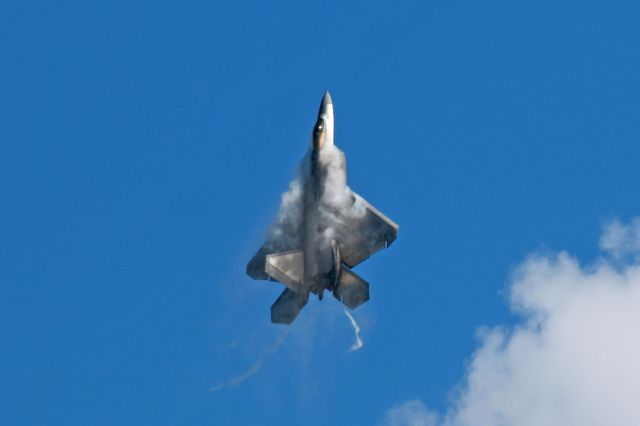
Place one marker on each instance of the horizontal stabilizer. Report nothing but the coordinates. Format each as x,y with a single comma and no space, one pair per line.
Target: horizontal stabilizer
287,267
288,306
351,290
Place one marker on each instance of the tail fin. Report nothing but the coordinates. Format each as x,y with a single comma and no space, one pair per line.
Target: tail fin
351,290
288,306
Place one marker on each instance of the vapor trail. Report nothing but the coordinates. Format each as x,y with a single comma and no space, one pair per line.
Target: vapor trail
256,366
356,329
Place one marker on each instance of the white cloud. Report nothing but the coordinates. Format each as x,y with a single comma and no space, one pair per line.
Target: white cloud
573,359
621,240
413,413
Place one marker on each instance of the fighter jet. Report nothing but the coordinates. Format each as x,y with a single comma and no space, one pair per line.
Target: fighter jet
330,229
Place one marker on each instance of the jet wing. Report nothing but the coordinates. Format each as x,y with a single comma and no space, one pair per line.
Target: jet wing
255,267
363,235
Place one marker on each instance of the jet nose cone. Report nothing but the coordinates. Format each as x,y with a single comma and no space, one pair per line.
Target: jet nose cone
326,102
326,99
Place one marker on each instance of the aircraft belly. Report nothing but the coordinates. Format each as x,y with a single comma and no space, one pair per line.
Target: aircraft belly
323,230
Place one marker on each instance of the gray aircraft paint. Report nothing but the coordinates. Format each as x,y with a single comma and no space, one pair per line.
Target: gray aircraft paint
322,230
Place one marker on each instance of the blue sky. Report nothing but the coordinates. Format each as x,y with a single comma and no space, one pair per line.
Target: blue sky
144,147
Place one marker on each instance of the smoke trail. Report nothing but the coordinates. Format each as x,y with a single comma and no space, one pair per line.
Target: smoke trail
284,232
336,194
337,208
255,367
217,387
356,329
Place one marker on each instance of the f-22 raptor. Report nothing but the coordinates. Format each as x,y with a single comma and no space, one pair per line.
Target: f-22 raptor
322,232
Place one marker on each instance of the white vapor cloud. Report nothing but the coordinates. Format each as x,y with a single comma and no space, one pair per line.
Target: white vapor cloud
358,344
255,367
334,212
573,358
